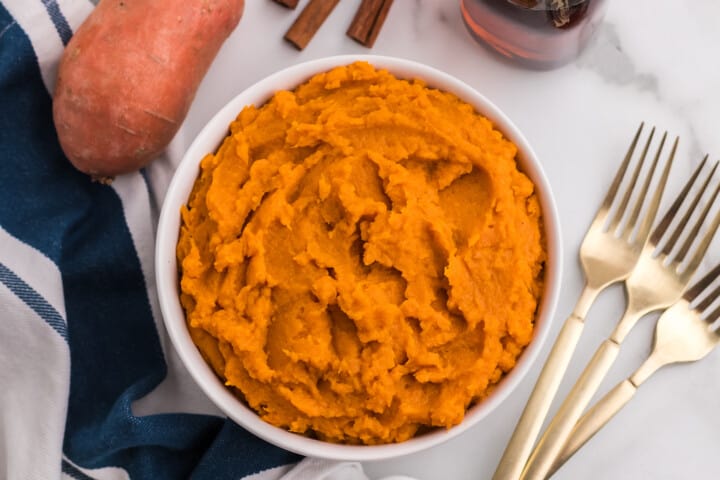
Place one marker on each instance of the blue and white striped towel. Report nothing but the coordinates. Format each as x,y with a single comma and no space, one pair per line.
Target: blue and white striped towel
90,388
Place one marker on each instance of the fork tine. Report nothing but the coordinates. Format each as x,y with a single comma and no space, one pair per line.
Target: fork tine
707,238
628,191
612,191
709,299
692,292
672,211
713,317
640,200
649,218
680,228
703,246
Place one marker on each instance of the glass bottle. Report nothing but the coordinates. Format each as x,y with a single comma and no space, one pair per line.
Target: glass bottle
540,34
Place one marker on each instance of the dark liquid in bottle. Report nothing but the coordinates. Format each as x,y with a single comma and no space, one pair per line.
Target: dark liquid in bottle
538,33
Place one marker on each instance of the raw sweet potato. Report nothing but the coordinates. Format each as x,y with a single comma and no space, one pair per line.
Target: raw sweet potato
129,74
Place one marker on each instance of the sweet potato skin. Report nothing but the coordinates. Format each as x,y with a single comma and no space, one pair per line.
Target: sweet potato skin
128,76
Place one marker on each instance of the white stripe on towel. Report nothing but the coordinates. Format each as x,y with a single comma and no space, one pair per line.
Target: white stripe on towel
35,378
34,268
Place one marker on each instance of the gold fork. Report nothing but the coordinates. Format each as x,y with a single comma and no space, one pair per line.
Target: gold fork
658,280
684,333
606,259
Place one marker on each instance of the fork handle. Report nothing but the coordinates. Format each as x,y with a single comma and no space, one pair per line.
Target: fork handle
531,420
595,418
557,433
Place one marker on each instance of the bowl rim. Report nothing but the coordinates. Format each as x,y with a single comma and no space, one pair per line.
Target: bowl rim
166,275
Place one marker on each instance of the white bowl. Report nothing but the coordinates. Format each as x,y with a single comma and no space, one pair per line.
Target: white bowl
167,274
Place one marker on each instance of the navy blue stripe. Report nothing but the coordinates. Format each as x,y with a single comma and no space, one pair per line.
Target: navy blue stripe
154,207
33,300
59,20
69,469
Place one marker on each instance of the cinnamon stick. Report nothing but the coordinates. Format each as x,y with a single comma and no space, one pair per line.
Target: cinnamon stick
309,21
368,21
288,3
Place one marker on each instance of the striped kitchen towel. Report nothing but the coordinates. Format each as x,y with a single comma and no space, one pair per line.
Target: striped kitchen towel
90,387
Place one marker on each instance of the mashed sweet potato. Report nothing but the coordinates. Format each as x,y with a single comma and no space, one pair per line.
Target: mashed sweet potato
361,259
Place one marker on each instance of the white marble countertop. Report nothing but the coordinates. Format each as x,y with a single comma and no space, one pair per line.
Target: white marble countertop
652,60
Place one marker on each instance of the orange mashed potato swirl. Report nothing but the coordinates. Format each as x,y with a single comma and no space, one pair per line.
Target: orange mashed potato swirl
361,259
